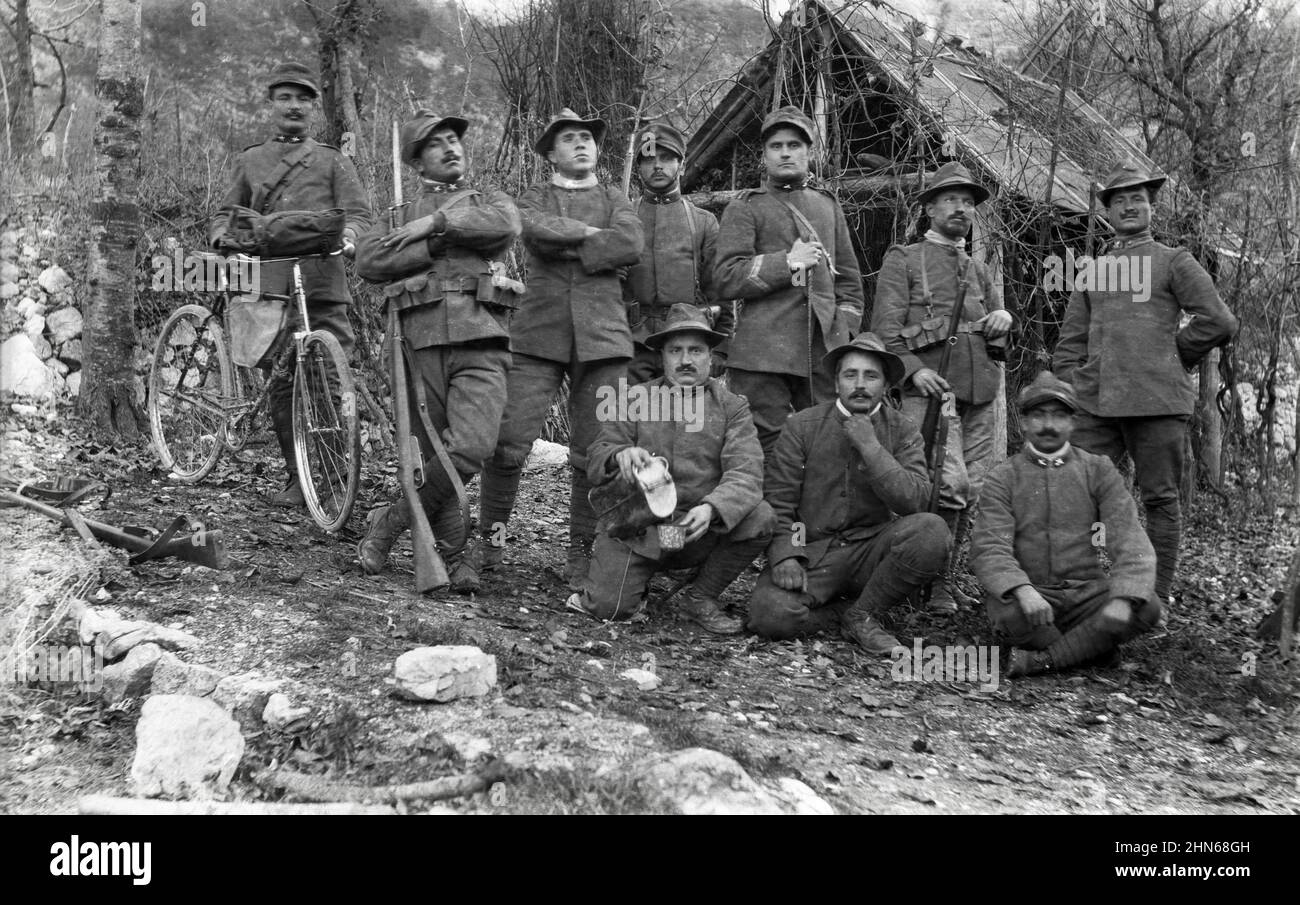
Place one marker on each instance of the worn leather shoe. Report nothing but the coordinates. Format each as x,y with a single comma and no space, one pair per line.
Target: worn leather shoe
869,634
707,613
384,525
291,495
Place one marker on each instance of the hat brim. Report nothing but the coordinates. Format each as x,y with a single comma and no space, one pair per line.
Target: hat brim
411,150
895,370
786,124
296,82
712,337
981,194
1048,396
1105,194
596,126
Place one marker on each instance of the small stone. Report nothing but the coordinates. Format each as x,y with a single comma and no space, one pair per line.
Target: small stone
644,679
280,712
73,384
28,308
120,637
186,747
9,290
21,370
34,326
64,325
445,673
54,280
245,696
469,747
9,272
131,677
174,676
71,352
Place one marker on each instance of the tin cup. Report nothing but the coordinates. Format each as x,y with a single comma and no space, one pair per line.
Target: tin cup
671,537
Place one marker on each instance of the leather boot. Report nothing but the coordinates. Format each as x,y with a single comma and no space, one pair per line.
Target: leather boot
860,626
383,527
707,613
945,596
291,495
478,558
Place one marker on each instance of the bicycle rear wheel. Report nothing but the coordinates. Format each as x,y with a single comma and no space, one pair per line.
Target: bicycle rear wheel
326,430
191,387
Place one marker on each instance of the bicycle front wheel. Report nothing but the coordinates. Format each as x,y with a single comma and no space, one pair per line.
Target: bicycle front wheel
191,387
326,430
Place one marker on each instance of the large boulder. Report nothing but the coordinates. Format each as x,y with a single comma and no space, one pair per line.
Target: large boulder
186,747
54,280
64,325
701,781
445,673
21,370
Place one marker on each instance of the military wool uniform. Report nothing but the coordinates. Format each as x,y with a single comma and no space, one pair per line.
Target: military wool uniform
782,329
715,460
573,322
454,320
286,174
676,266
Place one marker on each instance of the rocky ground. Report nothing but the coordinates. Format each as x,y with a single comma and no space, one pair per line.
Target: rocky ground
1200,717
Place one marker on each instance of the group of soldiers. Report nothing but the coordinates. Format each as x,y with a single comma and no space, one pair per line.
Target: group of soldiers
795,446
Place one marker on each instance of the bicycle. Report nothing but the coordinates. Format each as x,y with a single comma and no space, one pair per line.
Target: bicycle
198,405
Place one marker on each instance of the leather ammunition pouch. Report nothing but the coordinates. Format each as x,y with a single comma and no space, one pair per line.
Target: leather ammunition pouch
933,331
430,289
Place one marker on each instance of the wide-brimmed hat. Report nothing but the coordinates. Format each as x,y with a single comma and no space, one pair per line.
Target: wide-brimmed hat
291,73
867,342
415,132
659,135
684,318
1047,387
1127,175
567,117
954,175
792,117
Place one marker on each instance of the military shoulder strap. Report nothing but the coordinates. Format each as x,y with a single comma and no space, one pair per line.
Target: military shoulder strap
271,188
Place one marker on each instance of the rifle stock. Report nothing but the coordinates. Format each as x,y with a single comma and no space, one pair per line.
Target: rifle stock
934,427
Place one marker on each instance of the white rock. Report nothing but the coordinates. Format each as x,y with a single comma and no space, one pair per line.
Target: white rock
10,237
43,351
58,367
186,747
173,675
469,747
445,673
54,280
94,620
34,326
9,290
28,253
21,371
9,272
645,680
131,677
245,696
800,799
64,324
19,408
120,637
546,453
28,307
701,781
280,712
74,384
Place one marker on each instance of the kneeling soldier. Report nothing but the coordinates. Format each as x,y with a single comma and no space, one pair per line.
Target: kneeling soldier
437,262
847,480
1044,514
708,439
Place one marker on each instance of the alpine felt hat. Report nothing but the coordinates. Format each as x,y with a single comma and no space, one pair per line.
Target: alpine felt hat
867,342
684,318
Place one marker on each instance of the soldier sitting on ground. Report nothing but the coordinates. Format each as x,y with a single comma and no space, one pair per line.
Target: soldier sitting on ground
1044,515
848,482
706,435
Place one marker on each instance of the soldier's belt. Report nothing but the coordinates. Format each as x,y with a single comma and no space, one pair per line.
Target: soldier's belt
427,289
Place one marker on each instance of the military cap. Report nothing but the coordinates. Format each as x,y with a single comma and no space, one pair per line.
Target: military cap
791,117
684,318
1126,175
866,342
954,175
415,133
1047,387
291,73
663,136
567,117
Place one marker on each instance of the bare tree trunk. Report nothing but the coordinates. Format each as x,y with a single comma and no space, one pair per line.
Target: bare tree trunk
1211,422
22,101
107,396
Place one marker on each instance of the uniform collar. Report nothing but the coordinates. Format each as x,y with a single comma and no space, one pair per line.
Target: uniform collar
1046,460
1130,241
938,238
839,407
804,183
290,139
432,186
586,182
667,198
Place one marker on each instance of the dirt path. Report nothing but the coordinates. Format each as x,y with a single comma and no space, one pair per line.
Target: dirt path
1199,718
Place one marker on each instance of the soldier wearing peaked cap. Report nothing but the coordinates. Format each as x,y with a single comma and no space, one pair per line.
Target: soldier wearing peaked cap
580,237
1043,514
785,253
1129,359
705,435
441,261
849,486
680,245
294,172
915,294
